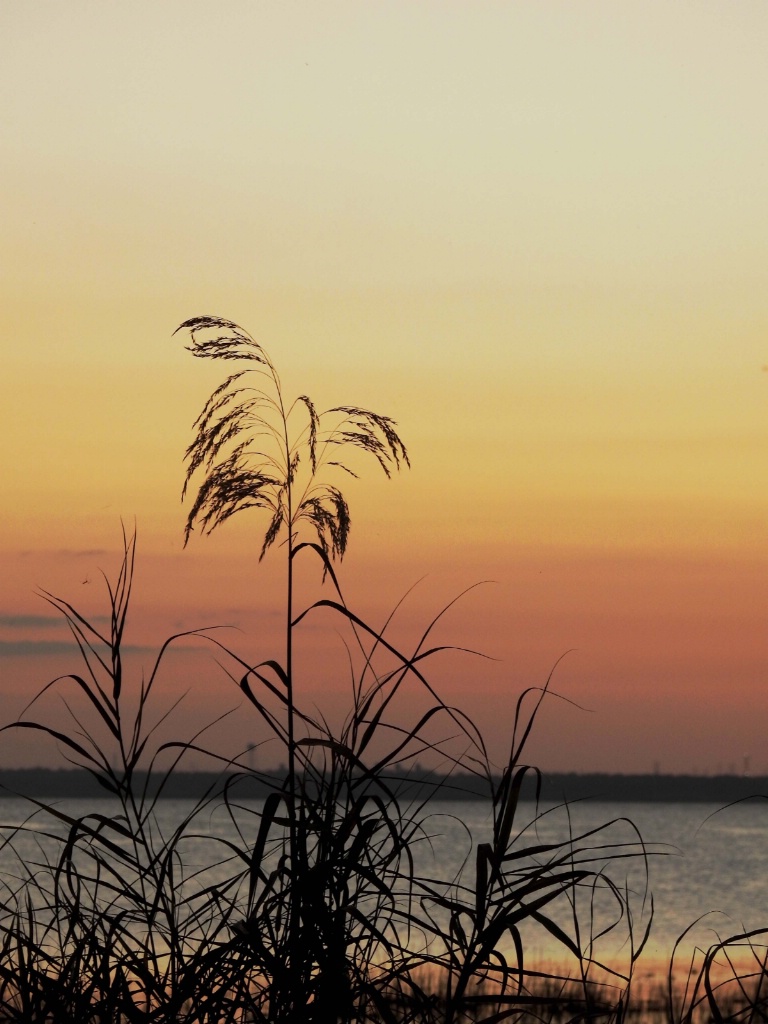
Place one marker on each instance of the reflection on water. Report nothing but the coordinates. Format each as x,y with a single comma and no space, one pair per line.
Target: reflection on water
705,861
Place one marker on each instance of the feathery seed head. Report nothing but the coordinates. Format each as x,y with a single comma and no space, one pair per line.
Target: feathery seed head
238,475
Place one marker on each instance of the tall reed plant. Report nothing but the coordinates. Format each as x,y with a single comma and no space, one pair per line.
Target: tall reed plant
316,904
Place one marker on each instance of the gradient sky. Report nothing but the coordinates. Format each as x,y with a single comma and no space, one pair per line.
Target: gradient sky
534,234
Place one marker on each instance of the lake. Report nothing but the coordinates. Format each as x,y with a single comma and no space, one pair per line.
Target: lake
702,860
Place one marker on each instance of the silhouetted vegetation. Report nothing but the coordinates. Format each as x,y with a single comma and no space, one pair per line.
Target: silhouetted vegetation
313,904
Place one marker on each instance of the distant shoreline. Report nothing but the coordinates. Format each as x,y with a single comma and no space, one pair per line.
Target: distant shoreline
51,783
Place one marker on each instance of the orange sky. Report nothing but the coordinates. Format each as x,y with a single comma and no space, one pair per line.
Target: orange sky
535,235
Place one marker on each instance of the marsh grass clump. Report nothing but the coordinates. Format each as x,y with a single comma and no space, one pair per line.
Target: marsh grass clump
314,904
317,903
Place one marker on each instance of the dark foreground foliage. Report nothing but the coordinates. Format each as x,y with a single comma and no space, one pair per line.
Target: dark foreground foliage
314,904
116,925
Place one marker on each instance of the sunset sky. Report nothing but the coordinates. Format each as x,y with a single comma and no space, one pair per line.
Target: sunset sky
535,234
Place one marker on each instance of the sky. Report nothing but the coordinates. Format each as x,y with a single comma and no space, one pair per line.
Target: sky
536,235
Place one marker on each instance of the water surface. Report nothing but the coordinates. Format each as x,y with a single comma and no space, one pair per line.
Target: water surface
703,862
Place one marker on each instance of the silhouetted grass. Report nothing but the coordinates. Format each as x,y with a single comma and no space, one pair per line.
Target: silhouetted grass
328,914
118,926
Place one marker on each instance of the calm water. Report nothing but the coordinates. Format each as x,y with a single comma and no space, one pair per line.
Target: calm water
706,861
702,860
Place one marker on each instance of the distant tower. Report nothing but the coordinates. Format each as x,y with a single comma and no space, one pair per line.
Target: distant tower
746,765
